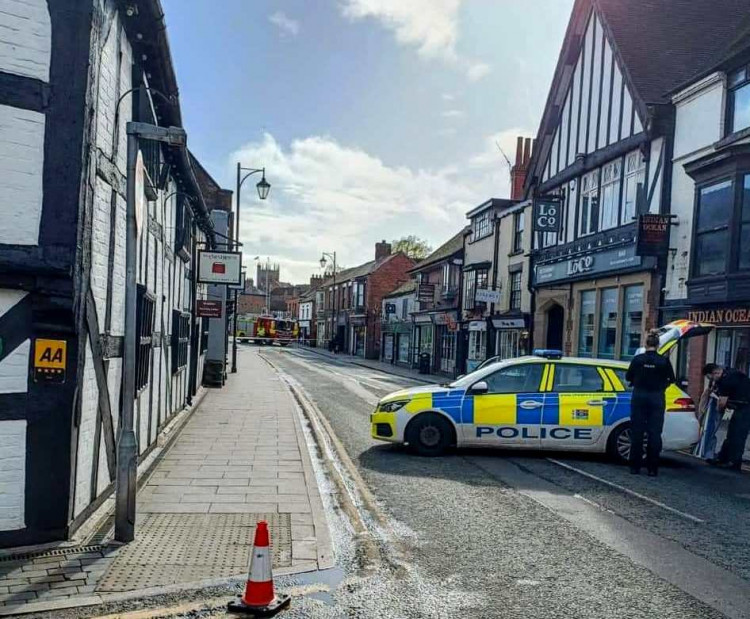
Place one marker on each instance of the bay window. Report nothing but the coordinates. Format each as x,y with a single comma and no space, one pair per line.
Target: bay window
610,201
589,214
715,204
635,174
739,99
482,226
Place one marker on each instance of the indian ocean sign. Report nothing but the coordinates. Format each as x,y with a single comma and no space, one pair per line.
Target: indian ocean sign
590,264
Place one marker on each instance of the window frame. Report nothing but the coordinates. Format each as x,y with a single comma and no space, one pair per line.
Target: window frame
145,316
731,259
538,365
580,366
519,226
729,128
591,192
180,340
515,295
481,226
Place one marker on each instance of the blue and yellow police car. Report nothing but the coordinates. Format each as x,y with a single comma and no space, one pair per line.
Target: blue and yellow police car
541,401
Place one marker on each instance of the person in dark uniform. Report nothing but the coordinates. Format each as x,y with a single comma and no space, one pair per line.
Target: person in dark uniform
733,389
650,374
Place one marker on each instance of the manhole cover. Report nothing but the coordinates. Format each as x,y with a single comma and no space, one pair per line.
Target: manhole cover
182,548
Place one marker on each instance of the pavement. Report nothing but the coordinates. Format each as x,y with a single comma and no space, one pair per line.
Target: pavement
241,457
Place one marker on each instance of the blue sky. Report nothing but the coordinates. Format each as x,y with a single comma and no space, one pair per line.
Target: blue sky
374,118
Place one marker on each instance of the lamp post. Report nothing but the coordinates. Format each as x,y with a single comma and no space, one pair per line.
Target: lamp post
323,261
263,187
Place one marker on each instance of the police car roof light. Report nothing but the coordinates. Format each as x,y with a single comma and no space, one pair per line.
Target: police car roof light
548,353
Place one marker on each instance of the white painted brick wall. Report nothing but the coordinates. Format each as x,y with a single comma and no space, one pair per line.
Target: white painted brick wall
102,481
118,274
25,38
114,381
12,474
21,171
142,399
14,370
100,247
86,433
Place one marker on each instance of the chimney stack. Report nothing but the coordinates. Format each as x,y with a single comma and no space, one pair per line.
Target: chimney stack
382,250
521,168
315,281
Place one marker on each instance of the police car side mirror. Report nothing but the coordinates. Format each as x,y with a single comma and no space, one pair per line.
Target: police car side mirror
479,388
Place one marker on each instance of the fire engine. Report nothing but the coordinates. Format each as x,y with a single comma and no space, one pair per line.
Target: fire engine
267,330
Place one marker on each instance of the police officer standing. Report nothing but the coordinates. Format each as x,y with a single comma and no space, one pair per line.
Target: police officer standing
650,374
733,389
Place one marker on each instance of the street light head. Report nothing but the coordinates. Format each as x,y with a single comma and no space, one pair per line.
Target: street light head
263,188
323,262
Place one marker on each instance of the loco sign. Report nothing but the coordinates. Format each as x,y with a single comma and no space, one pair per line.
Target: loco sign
547,215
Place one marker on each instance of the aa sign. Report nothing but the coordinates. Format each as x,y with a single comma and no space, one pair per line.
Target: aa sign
50,360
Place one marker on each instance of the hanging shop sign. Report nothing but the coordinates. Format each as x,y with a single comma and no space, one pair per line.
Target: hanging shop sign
722,316
477,325
50,360
426,293
487,295
590,264
208,309
220,267
653,235
548,215
390,308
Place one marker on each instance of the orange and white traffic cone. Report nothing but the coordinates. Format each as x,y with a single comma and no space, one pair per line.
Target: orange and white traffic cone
259,598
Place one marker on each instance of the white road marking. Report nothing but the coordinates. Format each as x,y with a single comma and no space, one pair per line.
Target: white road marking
580,497
638,495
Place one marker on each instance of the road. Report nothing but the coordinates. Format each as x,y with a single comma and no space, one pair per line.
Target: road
509,534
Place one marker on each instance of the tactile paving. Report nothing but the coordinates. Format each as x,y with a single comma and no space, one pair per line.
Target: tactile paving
182,548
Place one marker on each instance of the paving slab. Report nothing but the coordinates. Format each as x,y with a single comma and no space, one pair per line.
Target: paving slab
241,457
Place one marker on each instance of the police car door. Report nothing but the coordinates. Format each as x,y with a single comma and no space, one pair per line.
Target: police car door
510,412
583,396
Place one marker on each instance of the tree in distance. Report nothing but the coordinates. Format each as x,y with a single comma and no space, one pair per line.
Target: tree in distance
412,246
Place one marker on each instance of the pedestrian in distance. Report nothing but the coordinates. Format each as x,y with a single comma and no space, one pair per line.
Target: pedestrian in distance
650,374
733,389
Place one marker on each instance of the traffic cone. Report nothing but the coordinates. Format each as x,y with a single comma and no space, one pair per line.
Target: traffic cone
259,598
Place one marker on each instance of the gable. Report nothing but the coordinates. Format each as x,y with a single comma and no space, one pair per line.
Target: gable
596,106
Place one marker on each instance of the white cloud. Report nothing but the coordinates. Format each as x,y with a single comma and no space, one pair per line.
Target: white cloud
326,196
448,96
284,23
453,114
429,25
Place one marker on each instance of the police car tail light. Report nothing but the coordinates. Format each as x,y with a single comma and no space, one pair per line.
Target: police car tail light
682,404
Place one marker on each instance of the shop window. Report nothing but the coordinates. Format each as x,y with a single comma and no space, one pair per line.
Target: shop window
739,99
576,379
610,201
515,290
632,320
635,174
518,227
144,330
586,324
477,345
589,215
715,205
509,343
524,378
425,339
447,341
733,348
608,323
404,342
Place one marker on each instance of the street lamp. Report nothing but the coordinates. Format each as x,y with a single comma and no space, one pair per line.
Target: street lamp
323,262
263,187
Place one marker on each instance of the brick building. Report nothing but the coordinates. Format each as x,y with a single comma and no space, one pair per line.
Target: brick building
72,75
353,301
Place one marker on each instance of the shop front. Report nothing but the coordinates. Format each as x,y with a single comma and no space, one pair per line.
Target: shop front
511,336
358,337
476,351
446,342
605,316
396,342
424,332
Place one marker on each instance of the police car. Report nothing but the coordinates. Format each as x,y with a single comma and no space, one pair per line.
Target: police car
543,401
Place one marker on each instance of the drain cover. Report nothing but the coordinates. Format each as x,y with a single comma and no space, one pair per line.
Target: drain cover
182,548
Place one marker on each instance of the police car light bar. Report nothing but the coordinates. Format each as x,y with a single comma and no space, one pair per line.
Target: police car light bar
548,353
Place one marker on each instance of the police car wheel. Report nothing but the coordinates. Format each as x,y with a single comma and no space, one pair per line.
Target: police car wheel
619,443
429,435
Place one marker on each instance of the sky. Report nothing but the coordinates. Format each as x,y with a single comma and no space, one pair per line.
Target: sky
374,119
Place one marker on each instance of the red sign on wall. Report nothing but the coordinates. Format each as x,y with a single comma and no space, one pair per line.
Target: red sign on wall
208,309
